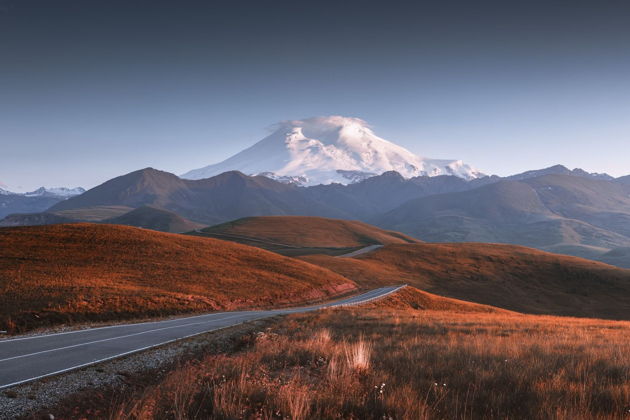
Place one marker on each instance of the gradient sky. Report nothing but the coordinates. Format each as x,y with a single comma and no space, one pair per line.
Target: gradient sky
93,89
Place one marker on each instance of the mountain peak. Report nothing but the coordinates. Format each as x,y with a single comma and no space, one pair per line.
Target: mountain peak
558,170
331,149
63,192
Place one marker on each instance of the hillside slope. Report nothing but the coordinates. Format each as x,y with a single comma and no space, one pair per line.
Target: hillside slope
156,219
506,276
303,232
410,298
541,212
107,272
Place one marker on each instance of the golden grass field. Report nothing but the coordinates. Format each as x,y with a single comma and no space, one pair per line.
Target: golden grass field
86,272
377,362
507,276
308,232
453,350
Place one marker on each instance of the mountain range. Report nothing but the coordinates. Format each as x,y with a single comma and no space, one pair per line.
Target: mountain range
336,167
554,209
34,201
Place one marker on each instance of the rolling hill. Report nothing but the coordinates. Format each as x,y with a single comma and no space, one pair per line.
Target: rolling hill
506,276
299,235
414,299
107,272
156,219
617,256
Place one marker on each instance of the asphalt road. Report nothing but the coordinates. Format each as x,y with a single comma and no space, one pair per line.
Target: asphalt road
360,251
29,358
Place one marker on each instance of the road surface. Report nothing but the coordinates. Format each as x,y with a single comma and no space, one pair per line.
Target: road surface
26,359
360,251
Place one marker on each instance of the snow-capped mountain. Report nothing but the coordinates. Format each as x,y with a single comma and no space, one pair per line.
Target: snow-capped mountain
323,150
55,192
34,201
58,192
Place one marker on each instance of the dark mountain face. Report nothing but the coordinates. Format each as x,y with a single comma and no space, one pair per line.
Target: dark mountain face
598,202
624,179
542,212
382,193
144,187
379,194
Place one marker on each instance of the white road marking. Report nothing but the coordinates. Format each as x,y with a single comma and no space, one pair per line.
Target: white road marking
360,251
93,362
355,300
112,338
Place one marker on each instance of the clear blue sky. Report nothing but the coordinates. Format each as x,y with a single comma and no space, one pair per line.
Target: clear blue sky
93,89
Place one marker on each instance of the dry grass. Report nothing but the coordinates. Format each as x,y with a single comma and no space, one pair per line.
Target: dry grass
310,232
511,277
70,273
406,364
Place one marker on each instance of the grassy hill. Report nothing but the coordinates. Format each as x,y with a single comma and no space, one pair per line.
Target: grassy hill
506,276
390,360
299,235
153,218
68,273
410,298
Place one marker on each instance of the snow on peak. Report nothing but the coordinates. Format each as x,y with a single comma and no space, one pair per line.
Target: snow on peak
323,150
55,192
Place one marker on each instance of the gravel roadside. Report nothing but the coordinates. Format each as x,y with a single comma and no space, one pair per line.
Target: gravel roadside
50,396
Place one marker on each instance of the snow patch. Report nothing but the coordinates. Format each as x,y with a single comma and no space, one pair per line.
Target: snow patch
55,192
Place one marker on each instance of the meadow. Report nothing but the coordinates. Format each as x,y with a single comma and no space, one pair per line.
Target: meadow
389,361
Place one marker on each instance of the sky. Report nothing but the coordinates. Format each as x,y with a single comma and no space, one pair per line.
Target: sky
93,89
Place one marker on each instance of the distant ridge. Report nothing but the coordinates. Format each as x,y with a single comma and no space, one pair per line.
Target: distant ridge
209,201
541,212
559,170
